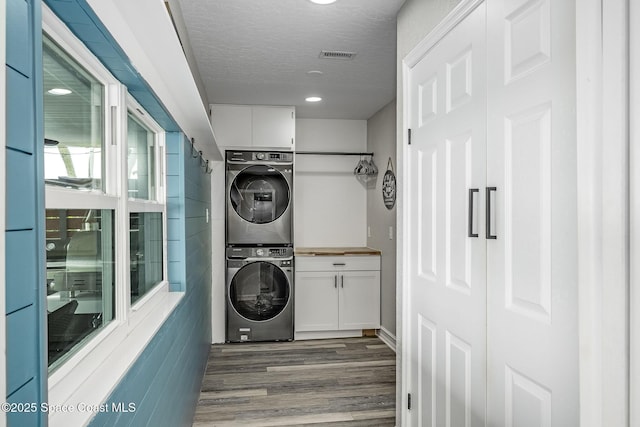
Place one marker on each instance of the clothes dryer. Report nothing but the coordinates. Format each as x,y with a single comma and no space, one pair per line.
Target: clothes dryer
259,189
259,294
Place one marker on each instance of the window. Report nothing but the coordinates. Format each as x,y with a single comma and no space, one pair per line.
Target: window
146,244
141,160
73,121
80,276
145,203
105,222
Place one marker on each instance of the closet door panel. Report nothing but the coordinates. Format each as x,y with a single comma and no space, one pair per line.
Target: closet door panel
447,268
531,267
527,213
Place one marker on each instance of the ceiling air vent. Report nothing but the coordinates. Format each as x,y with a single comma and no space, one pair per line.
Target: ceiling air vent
337,54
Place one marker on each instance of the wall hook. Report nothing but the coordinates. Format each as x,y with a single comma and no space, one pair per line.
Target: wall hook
193,148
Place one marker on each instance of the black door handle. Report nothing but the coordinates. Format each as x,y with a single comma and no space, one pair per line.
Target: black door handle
489,235
471,192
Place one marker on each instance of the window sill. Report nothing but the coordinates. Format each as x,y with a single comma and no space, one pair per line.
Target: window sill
87,379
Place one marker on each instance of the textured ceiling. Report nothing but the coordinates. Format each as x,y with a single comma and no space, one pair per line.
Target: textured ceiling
259,52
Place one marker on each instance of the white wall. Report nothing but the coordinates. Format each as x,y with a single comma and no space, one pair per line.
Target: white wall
329,202
218,268
381,140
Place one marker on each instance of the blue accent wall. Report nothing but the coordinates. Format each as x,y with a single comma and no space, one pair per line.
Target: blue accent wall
24,233
164,383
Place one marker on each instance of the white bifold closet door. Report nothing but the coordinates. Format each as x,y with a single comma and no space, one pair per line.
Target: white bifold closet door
447,290
492,221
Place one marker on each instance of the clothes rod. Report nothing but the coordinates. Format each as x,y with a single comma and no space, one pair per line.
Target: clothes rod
333,153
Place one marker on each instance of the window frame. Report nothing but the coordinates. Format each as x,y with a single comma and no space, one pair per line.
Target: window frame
105,198
133,205
90,373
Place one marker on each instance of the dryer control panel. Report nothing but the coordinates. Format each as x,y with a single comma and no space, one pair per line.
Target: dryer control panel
262,157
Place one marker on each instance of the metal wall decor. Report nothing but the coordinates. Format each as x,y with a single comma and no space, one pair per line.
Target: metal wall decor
389,186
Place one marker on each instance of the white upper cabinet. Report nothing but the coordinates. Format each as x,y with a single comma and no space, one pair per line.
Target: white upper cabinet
232,125
273,127
254,126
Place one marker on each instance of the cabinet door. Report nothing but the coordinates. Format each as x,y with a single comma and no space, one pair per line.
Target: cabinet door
316,298
273,127
232,125
359,299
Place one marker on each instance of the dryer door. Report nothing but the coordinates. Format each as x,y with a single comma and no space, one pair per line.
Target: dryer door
260,194
259,291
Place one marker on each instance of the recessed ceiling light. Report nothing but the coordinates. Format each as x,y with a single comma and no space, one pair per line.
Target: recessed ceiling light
313,99
315,73
59,91
323,1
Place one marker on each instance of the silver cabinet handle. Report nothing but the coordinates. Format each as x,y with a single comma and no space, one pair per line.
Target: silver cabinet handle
471,198
339,264
335,281
342,281
488,203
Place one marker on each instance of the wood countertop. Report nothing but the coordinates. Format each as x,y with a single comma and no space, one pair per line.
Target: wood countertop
338,251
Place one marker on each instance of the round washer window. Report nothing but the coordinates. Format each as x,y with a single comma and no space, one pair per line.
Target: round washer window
259,291
259,194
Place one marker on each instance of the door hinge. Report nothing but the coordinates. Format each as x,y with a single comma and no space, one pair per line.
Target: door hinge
409,135
409,401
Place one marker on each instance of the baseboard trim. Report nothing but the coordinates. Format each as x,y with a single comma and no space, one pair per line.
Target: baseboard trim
320,335
388,338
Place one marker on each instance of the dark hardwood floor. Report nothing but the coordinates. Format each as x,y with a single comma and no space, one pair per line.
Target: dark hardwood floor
337,382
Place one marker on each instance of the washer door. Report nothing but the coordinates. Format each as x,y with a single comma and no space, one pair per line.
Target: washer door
260,194
259,291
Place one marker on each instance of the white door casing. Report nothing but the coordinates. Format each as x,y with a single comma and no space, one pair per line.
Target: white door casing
447,301
634,263
515,340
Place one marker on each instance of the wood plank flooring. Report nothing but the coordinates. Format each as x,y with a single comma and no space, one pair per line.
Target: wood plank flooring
337,382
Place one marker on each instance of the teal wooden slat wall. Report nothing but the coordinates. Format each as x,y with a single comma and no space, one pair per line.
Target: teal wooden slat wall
164,382
25,275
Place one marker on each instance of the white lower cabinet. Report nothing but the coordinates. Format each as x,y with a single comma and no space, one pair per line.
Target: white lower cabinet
335,296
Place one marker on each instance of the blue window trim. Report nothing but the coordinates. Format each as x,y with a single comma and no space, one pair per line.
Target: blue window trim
86,26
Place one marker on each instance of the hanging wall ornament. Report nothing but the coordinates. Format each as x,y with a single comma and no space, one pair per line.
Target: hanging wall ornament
389,186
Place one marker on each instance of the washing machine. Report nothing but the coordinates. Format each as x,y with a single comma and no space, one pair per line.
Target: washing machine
259,190
259,294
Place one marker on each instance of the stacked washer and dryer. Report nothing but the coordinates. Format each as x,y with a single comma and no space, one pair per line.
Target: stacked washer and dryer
259,246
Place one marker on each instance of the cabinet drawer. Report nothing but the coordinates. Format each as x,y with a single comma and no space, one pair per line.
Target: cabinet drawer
337,263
